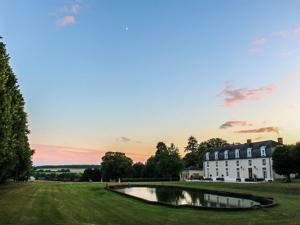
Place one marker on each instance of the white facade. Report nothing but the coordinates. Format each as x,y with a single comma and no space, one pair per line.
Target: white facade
232,169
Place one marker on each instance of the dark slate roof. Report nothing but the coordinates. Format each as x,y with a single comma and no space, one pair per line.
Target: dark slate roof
255,146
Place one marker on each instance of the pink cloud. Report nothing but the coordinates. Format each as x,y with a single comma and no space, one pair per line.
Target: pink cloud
66,20
233,96
234,123
259,41
260,130
294,75
52,154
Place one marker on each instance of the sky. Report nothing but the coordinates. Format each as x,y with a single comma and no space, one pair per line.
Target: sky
113,75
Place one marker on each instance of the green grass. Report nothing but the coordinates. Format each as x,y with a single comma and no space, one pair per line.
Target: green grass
44,203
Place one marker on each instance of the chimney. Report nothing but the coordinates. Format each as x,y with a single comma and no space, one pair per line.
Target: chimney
249,141
280,141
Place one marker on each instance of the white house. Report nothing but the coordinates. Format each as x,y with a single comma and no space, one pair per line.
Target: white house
250,161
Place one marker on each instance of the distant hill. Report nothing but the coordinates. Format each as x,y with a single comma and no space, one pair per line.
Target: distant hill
67,166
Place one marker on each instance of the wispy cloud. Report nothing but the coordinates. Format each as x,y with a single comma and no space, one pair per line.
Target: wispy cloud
297,30
233,96
67,14
260,130
73,8
286,53
259,41
233,123
66,20
124,139
294,75
280,33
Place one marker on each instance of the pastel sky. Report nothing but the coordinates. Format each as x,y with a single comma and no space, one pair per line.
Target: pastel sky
122,75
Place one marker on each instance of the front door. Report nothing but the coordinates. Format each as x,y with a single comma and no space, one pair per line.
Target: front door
250,173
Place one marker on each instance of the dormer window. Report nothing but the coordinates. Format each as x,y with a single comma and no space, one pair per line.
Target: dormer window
226,154
207,155
249,152
216,155
263,151
237,153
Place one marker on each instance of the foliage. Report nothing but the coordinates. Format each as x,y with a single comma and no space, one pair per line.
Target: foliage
283,161
195,151
115,165
15,153
138,170
91,174
296,156
166,163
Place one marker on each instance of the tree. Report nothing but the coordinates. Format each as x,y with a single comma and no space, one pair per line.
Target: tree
192,145
115,165
210,144
91,174
149,171
166,163
283,162
15,153
138,170
195,151
296,157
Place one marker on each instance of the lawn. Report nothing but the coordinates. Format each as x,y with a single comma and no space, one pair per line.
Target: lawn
43,203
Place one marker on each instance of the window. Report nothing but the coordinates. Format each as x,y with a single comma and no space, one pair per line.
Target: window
249,162
226,163
207,164
238,173
263,151
217,172
264,162
207,155
217,164
249,152
227,172
216,155
264,170
237,153
226,154
237,163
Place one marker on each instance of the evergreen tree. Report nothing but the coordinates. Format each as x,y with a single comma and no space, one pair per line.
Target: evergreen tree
15,153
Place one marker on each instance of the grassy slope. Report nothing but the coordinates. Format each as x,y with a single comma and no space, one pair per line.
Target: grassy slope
88,203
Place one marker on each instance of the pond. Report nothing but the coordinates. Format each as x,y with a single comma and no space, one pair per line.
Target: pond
176,196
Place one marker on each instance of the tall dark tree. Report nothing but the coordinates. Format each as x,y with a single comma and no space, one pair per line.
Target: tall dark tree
167,162
15,153
192,145
210,144
138,170
283,161
116,165
195,151
149,171
296,157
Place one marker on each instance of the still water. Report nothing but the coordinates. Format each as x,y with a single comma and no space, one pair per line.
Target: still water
178,196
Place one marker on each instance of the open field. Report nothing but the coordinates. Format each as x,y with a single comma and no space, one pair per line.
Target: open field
89,203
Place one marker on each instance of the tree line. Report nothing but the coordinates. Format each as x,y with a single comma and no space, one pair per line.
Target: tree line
165,164
15,152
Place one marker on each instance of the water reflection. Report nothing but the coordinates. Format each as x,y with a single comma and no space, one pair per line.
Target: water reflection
178,196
